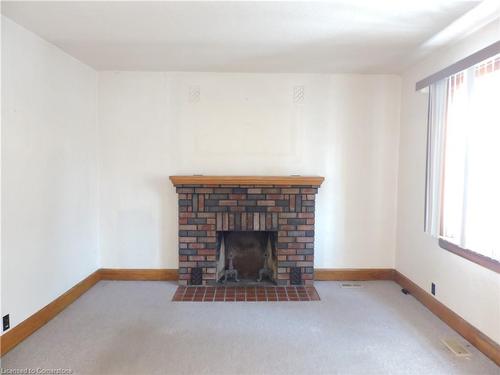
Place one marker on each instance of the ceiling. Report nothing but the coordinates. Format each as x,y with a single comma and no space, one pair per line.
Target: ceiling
328,37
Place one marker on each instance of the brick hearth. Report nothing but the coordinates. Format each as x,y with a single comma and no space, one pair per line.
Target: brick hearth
245,294
211,204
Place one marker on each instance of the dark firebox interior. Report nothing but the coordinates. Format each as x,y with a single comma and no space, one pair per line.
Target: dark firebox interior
251,252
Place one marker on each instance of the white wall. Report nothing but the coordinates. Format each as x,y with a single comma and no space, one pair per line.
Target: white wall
49,172
468,289
346,129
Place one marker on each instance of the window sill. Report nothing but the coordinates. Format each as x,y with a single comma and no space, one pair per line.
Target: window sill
482,260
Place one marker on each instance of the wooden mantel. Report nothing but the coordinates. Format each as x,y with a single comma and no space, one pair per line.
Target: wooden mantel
247,180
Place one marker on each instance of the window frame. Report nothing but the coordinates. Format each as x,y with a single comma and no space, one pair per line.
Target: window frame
470,255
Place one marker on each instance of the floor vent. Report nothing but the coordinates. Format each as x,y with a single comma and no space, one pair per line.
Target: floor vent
456,347
351,285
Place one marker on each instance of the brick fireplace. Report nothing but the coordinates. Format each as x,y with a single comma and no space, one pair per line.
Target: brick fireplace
213,207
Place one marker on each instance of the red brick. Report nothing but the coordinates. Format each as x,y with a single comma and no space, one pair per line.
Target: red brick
206,252
228,203
187,227
305,239
305,227
204,190
275,209
201,202
196,245
196,258
243,221
274,196
208,239
187,239
237,196
185,190
187,264
225,190
237,209
307,215
269,221
206,214
205,227
262,221
308,191
256,222
265,203
287,252
305,264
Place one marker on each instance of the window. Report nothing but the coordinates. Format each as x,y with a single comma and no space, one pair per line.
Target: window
463,171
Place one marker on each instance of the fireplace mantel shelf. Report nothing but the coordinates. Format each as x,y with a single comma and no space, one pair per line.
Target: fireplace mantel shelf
248,180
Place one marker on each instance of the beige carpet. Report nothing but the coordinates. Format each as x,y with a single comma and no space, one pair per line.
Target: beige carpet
135,328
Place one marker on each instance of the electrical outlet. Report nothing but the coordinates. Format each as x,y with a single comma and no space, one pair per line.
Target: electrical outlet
433,289
6,322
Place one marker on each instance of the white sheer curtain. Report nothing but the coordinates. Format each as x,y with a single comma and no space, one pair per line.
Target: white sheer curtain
438,94
455,157
463,174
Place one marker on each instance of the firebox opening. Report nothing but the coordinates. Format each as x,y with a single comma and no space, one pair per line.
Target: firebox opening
246,257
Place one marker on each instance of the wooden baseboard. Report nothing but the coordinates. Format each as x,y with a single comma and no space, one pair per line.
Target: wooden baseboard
353,274
322,274
482,342
18,333
138,274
